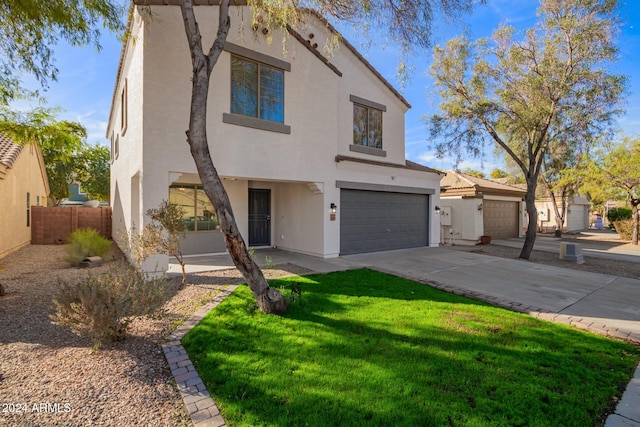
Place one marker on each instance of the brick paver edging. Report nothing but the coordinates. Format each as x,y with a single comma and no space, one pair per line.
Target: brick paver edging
202,409
575,321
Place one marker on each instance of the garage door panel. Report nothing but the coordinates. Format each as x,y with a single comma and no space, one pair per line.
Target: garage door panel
501,219
376,221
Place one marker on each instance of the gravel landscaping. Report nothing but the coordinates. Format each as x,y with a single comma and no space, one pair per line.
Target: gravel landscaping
49,376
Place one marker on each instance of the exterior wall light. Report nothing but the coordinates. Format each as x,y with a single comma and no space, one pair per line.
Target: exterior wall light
438,210
333,208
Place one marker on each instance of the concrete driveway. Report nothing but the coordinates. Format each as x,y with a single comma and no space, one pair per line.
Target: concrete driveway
600,302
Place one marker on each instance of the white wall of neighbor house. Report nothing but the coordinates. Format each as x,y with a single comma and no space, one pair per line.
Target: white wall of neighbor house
577,216
466,221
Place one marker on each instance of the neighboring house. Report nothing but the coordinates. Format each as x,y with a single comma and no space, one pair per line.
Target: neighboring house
472,207
23,183
576,218
76,194
310,150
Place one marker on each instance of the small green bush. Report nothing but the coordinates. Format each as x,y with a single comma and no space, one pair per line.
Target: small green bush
85,242
624,228
618,214
102,306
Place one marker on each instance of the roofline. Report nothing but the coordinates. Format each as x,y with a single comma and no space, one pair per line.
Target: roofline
481,188
359,56
409,165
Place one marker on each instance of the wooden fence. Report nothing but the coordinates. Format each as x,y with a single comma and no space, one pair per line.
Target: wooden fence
52,225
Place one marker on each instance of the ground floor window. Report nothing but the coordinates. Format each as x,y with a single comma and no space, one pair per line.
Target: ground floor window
199,214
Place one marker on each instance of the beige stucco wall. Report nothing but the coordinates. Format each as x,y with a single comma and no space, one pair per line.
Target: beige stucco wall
154,152
26,176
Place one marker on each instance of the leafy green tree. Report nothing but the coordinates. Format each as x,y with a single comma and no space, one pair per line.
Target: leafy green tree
408,23
473,172
94,171
616,171
29,30
530,94
497,173
67,157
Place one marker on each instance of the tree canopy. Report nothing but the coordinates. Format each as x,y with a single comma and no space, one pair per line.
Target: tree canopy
531,93
29,30
615,171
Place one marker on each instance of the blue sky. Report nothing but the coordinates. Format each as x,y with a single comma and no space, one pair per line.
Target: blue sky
86,77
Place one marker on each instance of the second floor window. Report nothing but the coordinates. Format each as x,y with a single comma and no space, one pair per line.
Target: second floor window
367,126
257,90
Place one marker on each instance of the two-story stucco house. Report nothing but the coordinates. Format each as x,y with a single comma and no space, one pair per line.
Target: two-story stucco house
310,149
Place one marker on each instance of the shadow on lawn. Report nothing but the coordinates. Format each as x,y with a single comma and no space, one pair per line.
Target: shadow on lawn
469,363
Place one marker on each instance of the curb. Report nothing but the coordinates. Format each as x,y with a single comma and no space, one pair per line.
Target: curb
201,407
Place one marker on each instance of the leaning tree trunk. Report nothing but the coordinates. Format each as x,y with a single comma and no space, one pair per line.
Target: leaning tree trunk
530,236
269,300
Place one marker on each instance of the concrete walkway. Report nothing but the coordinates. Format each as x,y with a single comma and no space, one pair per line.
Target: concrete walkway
605,304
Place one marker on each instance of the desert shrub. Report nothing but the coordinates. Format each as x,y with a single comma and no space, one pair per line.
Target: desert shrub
624,228
618,214
102,306
162,235
85,242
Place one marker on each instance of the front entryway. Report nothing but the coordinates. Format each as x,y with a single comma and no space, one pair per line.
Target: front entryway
259,217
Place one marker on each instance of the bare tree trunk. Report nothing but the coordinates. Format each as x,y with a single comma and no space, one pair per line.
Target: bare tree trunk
559,213
269,300
530,236
634,209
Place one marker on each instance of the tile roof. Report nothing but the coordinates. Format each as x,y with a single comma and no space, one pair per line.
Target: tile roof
9,151
459,181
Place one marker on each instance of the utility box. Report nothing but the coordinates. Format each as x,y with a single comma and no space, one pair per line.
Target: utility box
543,214
445,216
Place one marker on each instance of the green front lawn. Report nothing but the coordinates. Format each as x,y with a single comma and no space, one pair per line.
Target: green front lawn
362,348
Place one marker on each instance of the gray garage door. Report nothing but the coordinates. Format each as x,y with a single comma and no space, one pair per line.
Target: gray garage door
500,219
373,221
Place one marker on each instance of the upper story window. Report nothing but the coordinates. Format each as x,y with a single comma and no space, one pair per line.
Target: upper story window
367,126
257,90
